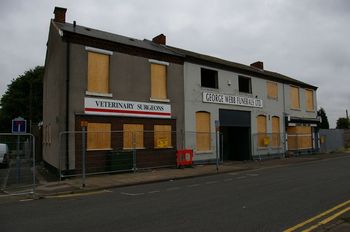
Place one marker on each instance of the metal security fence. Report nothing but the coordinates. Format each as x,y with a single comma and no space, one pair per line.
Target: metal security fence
17,160
98,152
267,145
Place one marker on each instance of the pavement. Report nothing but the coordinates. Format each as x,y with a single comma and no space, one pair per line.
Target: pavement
47,189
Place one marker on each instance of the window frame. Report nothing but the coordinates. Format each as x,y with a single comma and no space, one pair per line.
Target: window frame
250,84
90,133
208,71
166,66
102,52
156,131
272,83
143,136
199,136
291,97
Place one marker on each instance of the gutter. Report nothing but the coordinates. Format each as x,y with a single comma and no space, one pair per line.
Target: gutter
67,102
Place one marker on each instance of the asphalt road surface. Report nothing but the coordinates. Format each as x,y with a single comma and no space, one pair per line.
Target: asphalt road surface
261,200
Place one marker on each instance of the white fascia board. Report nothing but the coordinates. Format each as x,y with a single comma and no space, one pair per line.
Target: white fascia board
98,50
158,62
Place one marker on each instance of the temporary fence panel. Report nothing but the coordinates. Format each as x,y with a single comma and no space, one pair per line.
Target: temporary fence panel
17,160
266,145
100,150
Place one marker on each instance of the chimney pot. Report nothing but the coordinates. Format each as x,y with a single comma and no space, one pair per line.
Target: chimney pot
60,14
258,64
159,39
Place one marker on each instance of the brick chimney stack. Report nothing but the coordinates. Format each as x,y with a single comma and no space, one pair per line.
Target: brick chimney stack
258,64
159,39
60,14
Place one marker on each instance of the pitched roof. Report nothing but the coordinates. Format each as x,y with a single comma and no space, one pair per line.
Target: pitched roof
187,55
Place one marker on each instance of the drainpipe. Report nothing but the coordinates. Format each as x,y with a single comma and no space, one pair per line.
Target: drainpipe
67,103
284,121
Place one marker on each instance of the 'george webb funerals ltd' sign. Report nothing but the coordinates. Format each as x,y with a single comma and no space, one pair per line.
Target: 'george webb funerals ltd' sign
232,100
101,106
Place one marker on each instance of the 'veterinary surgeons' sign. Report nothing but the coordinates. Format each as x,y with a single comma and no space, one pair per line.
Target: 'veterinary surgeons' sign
101,106
232,100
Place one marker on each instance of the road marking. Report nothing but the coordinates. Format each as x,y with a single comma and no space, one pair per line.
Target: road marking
155,191
325,221
173,189
252,174
79,194
193,185
211,182
316,217
132,194
26,200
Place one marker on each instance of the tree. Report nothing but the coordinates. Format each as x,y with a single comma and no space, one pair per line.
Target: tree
23,97
324,120
343,123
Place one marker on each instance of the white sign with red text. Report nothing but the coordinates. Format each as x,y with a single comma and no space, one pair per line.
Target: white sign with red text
102,106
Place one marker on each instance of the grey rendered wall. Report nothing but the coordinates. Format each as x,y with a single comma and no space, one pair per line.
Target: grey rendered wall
333,139
193,103
129,80
54,95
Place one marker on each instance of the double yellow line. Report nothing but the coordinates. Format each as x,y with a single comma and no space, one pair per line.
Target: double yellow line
324,221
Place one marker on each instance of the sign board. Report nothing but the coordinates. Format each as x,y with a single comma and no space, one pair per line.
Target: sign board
232,100
19,125
102,106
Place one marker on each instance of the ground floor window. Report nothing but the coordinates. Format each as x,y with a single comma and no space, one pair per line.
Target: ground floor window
162,136
299,137
275,137
203,136
133,136
98,136
263,139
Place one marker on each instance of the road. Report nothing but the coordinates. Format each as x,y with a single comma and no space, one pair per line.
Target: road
271,199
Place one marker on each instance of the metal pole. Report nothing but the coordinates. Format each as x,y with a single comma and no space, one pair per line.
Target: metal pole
217,151
34,167
83,155
134,150
18,161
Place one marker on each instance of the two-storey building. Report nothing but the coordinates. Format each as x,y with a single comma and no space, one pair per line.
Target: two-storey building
122,90
145,95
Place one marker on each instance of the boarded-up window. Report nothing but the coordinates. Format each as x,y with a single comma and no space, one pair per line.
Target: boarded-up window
98,73
275,132
294,97
158,81
162,136
309,95
98,136
203,136
263,139
272,90
299,137
132,136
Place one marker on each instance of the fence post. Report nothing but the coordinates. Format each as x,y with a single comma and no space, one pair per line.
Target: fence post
134,150
83,142
34,166
217,151
18,161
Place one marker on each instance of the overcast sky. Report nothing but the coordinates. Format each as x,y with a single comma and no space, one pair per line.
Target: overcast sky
304,39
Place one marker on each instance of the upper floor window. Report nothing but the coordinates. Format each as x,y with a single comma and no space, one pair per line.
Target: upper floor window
309,98
272,90
98,73
158,81
294,97
209,78
244,84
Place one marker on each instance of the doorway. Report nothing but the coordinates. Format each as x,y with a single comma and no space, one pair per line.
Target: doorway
235,130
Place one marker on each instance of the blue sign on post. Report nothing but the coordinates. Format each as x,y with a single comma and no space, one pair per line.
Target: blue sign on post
19,125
